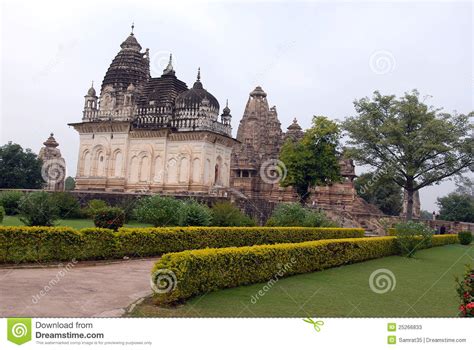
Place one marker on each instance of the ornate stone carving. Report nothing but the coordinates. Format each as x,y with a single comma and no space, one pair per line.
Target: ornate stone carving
54,166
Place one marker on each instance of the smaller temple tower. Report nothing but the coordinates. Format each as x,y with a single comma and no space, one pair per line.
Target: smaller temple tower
54,166
90,104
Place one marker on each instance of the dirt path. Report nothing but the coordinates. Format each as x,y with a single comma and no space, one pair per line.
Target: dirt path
104,290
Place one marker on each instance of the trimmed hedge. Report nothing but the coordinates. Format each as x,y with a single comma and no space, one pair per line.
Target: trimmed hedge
38,244
440,240
206,270
41,244
157,241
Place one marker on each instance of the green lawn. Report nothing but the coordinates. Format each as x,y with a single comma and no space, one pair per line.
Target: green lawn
424,287
74,223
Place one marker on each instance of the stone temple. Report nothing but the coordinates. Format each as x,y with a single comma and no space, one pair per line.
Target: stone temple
151,134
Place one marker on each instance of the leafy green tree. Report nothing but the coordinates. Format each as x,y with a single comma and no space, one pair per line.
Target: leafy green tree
227,214
426,215
92,206
159,211
19,168
380,191
10,200
69,183
38,209
412,236
296,215
465,185
313,160
68,205
416,145
456,207
195,214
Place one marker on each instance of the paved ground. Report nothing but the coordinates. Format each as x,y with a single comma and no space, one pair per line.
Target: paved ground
104,290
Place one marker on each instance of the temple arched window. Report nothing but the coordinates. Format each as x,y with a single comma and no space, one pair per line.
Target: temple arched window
216,174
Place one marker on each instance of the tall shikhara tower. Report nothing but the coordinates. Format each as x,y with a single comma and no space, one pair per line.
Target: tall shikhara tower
259,127
261,139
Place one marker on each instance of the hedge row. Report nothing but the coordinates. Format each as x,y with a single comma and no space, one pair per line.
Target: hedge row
41,244
202,271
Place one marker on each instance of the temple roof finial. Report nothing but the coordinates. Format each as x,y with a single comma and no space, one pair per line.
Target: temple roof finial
169,67
199,74
133,26
226,110
51,142
91,91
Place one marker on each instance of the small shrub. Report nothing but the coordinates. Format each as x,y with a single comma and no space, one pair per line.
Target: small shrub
391,231
195,214
465,237
412,236
295,215
38,209
159,211
128,205
227,214
2,214
92,206
10,200
465,290
287,215
69,184
68,205
317,219
110,217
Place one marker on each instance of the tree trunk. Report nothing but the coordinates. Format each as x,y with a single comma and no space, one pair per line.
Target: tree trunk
303,192
410,193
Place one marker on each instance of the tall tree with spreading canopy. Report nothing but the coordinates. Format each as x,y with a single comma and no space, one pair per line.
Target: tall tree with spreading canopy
380,191
19,168
419,144
313,160
456,207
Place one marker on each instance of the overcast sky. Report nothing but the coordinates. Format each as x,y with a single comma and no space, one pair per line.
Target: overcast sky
312,58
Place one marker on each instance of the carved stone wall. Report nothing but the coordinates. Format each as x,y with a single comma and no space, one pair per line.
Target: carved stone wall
152,161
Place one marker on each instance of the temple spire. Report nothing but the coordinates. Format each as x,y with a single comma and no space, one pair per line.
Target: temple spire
169,67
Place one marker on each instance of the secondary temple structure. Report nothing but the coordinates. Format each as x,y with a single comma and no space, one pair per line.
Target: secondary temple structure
53,169
261,138
146,133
